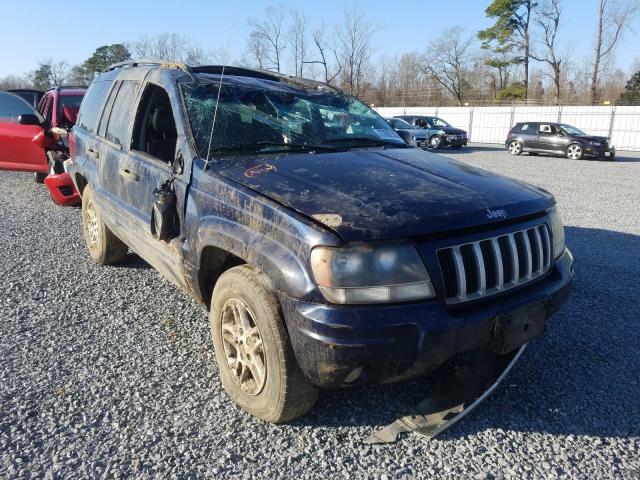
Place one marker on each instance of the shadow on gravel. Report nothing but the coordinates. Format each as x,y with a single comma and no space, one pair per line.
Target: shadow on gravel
580,379
132,261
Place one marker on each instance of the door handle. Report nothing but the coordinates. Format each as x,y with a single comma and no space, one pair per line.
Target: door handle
129,175
91,153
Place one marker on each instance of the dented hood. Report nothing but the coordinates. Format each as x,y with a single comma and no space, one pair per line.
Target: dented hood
379,193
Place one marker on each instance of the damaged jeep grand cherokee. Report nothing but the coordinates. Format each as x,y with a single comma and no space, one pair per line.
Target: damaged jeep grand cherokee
329,252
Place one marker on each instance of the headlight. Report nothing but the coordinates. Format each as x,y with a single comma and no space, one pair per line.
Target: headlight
384,273
557,232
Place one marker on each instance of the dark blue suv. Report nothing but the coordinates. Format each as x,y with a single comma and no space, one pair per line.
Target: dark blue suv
329,251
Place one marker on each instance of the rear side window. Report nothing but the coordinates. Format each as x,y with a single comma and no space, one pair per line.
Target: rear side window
118,125
524,127
90,109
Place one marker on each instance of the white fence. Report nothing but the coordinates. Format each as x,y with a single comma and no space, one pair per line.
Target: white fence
491,124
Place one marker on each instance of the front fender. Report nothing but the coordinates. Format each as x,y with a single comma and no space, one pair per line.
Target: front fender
287,271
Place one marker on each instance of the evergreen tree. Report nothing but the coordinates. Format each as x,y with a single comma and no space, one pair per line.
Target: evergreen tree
631,94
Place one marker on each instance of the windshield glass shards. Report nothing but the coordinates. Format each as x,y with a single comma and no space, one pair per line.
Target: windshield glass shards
257,117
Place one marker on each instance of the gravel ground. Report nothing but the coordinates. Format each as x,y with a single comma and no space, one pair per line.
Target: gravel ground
109,371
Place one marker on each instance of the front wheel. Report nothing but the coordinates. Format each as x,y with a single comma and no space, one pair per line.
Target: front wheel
435,142
574,151
257,365
515,147
104,247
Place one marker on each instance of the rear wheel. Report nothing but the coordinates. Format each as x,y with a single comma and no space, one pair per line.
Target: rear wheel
104,247
574,151
257,365
515,147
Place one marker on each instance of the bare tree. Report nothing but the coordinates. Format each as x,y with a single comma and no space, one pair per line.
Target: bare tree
298,38
173,46
355,48
448,59
14,81
547,19
614,18
267,38
325,50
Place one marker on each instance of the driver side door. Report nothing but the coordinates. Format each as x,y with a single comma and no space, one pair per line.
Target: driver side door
21,146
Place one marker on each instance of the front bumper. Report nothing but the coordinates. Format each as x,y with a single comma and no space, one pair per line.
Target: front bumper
392,342
600,152
62,190
456,141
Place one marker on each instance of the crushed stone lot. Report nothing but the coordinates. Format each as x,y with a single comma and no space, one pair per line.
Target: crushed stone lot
109,372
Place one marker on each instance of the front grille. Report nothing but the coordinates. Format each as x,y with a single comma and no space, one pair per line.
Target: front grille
485,267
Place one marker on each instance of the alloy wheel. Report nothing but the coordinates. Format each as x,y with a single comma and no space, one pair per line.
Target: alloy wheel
574,152
515,148
243,347
91,225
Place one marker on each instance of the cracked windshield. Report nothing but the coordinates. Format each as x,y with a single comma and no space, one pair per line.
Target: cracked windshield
277,117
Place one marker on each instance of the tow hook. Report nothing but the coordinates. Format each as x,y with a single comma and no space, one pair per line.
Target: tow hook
458,387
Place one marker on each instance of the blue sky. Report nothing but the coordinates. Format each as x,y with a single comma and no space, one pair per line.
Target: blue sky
404,25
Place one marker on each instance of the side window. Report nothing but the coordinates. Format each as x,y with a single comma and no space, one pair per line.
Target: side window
46,108
108,104
118,125
154,130
12,106
90,109
524,127
546,129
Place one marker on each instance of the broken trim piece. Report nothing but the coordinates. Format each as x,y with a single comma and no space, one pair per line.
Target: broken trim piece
435,422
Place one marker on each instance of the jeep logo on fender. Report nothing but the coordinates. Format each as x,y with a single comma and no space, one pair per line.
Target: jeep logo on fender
501,213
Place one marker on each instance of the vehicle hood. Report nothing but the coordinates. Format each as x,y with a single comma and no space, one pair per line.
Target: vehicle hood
449,130
380,193
593,138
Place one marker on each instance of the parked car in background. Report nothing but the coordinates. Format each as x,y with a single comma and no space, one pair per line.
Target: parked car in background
330,253
412,135
557,138
59,106
30,95
34,141
439,133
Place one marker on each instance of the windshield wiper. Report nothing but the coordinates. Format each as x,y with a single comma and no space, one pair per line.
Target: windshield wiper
257,147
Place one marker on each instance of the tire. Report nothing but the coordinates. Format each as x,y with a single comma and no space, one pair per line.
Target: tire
103,246
435,142
515,147
574,151
277,391
39,177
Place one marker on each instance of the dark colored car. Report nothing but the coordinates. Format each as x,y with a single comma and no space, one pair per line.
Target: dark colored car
558,138
439,133
329,252
31,96
412,135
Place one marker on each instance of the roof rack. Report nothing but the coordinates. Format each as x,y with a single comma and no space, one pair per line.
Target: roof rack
158,63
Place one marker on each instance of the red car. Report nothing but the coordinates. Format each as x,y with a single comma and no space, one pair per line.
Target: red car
27,142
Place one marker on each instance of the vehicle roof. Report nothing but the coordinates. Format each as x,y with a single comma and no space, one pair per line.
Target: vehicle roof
138,70
23,90
71,91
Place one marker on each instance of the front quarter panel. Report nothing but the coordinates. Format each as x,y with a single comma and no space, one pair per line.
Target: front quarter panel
263,233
